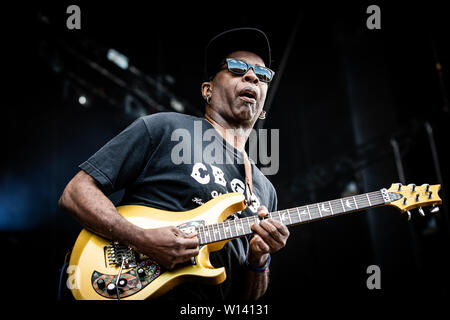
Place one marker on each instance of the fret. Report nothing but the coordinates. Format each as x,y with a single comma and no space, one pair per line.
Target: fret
362,201
348,204
319,210
305,214
377,198
226,229
246,225
325,211
234,230
207,236
343,208
289,216
284,216
354,200
239,229
293,218
200,233
276,216
217,232
273,215
336,206
368,199
242,225
315,214
281,215
309,213
331,207
232,224
221,231
204,235
213,232
298,214
230,229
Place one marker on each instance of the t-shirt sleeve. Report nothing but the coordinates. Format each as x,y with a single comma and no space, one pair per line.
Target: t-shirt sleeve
120,161
274,202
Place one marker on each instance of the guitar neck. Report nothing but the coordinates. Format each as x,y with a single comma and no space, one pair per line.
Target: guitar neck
237,228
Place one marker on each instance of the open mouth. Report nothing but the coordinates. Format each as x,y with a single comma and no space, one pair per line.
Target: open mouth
248,95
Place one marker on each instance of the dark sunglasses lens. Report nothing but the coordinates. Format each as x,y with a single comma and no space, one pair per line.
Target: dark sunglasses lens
236,66
263,74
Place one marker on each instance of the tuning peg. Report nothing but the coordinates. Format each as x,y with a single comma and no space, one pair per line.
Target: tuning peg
421,212
429,195
417,197
399,186
404,201
434,209
427,188
409,215
413,187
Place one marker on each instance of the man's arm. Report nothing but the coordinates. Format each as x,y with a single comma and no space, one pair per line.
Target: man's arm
270,236
85,201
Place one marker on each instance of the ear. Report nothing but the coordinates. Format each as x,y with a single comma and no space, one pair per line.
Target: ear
206,89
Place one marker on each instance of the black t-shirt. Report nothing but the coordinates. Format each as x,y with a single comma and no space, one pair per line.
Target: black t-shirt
176,162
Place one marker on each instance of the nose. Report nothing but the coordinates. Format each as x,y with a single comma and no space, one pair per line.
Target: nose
250,76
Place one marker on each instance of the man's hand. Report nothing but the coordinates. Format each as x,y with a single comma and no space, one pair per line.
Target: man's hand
270,236
168,245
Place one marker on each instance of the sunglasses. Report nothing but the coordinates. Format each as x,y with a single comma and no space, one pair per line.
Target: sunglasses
239,67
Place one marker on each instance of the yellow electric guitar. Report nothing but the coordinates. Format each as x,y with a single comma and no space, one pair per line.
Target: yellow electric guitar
100,269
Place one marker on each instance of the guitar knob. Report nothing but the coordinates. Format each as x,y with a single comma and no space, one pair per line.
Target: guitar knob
111,288
141,273
421,212
101,284
122,282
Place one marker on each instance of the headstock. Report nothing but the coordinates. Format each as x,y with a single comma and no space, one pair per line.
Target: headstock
413,196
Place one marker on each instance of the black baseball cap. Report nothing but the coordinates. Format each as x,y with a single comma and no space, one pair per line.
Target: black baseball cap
238,39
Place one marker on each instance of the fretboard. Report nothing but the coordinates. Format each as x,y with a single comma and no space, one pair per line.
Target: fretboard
236,228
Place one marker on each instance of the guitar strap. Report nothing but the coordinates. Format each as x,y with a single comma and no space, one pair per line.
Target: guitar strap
248,180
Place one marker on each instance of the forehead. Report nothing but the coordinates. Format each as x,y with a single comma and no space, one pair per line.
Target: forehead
248,57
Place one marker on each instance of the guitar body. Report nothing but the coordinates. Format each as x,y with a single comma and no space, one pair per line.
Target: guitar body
94,263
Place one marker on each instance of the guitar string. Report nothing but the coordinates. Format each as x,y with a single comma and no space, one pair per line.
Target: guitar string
360,200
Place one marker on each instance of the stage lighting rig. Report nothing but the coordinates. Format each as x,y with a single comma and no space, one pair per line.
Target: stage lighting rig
106,74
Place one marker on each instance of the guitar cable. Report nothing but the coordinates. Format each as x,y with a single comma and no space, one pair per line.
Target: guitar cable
118,278
65,264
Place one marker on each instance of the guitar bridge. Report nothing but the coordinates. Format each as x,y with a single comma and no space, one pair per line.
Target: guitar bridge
115,253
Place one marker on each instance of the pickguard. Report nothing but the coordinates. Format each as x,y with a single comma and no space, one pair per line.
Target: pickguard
131,280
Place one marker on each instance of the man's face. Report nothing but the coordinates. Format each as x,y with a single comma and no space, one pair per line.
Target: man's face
239,99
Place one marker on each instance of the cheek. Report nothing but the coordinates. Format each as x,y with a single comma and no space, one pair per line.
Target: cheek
263,96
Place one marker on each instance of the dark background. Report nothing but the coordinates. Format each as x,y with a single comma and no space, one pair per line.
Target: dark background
344,95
